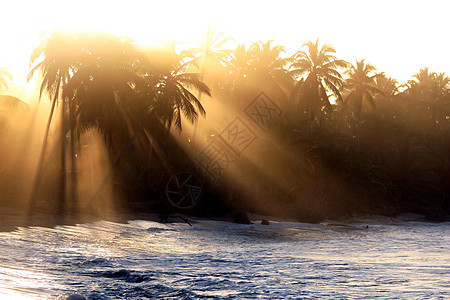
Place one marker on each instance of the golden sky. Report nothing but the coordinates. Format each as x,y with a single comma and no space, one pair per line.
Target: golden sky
398,37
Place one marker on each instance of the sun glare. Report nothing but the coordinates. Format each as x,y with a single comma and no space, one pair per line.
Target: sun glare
397,39
398,43
304,111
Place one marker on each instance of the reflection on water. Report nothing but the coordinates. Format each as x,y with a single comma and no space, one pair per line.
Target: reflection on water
144,259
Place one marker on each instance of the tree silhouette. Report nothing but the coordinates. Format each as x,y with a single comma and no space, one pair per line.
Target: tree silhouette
102,88
4,75
430,85
55,56
430,92
238,69
387,85
266,63
320,66
135,97
211,56
104,82
257,68
170,83
361,83
212,60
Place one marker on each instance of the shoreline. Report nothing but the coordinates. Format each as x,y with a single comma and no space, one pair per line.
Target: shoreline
12,219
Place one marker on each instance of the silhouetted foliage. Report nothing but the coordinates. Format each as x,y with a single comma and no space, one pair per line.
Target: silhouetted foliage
350,139
321,69
4,74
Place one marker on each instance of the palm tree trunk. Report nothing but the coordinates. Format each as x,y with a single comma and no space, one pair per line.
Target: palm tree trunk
37,178
358,125
309,121
62,201
92,156
44,167
73,175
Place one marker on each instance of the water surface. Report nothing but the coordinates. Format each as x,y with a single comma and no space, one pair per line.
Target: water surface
220,260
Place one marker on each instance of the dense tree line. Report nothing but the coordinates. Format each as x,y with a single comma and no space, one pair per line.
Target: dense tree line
350,140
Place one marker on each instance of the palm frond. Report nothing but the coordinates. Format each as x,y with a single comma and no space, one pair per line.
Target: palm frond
373,90
368,97
332,86
192,80
4,74
324,97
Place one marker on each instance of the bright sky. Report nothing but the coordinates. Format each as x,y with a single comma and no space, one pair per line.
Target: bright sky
398,37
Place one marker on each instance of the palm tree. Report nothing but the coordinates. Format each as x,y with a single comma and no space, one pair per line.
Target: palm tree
210,53
361,84
73,65
442,83
55,56
4,74
320,67
430,85
388,85
103,95
422,80
266,63
104,82
430,91
238,68
213,59
161,91
173,98
259,67
103,86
